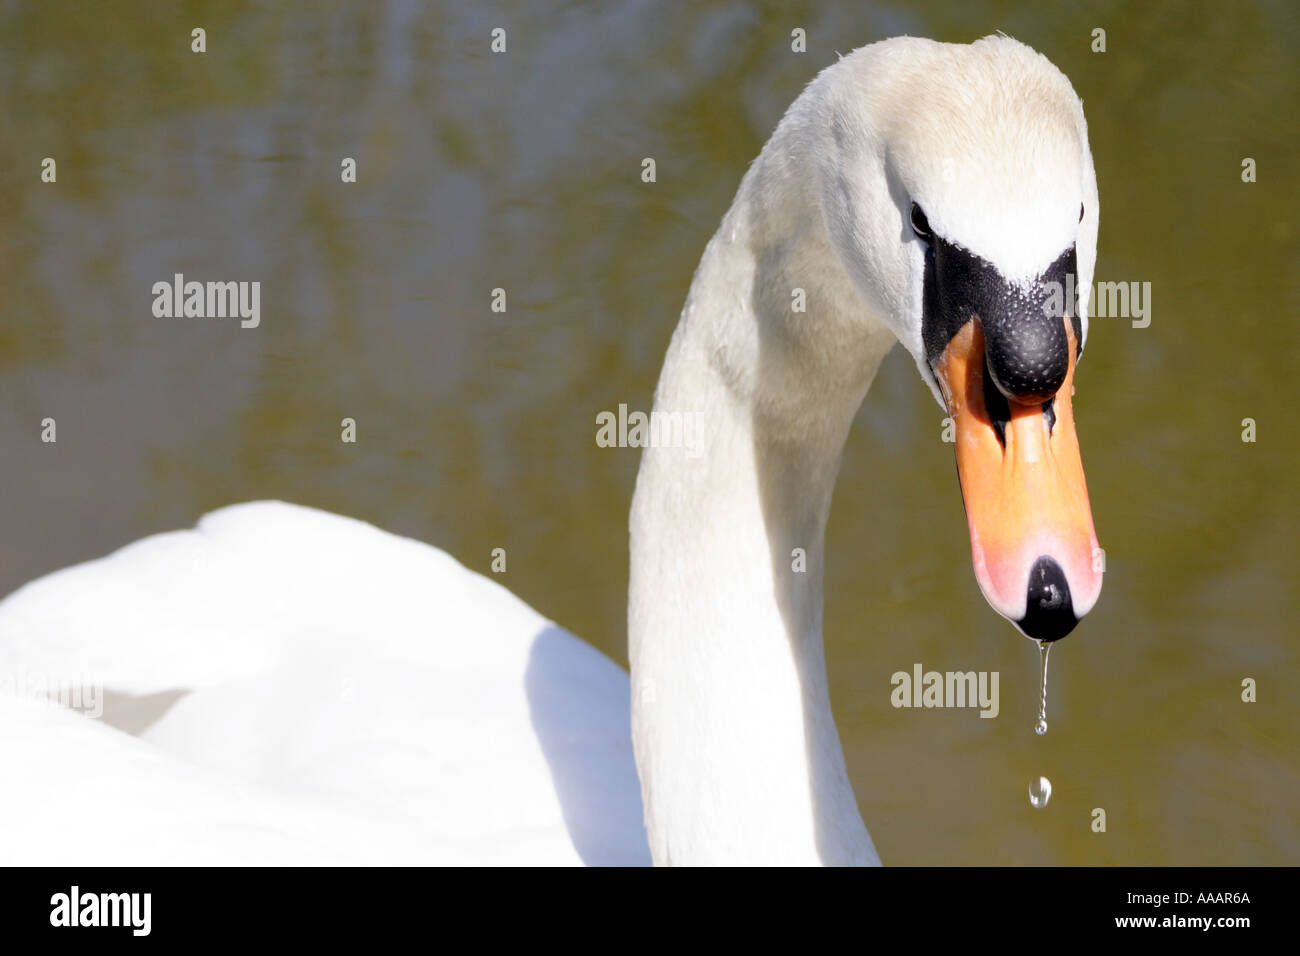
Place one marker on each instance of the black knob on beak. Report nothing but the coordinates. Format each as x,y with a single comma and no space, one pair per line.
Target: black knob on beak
1028,354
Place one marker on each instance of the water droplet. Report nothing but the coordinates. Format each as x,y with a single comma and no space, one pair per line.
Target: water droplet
1040,727
1040,791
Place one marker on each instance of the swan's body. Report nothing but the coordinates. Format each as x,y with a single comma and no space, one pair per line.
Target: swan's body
344,682
327,716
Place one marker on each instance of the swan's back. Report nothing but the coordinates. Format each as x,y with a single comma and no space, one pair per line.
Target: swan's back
319,690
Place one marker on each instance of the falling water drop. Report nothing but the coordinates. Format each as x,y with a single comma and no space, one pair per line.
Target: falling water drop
1040,790
1040,727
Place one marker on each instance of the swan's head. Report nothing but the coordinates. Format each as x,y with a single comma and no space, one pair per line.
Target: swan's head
964,206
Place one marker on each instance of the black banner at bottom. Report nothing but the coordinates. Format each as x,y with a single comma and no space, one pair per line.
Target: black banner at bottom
335,905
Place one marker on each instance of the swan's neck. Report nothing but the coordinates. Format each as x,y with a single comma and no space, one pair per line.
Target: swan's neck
735,741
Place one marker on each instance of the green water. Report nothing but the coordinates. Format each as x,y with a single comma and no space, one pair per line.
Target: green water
476,429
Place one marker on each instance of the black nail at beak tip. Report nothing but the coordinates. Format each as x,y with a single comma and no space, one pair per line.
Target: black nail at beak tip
1049,611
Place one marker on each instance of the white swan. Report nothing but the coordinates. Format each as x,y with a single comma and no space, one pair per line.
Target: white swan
327,692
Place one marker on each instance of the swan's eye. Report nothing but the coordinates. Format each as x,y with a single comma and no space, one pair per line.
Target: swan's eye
920,225
1080,212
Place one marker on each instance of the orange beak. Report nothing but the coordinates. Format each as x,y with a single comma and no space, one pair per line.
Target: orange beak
1032,539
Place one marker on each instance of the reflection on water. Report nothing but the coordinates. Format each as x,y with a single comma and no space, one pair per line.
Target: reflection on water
475,428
